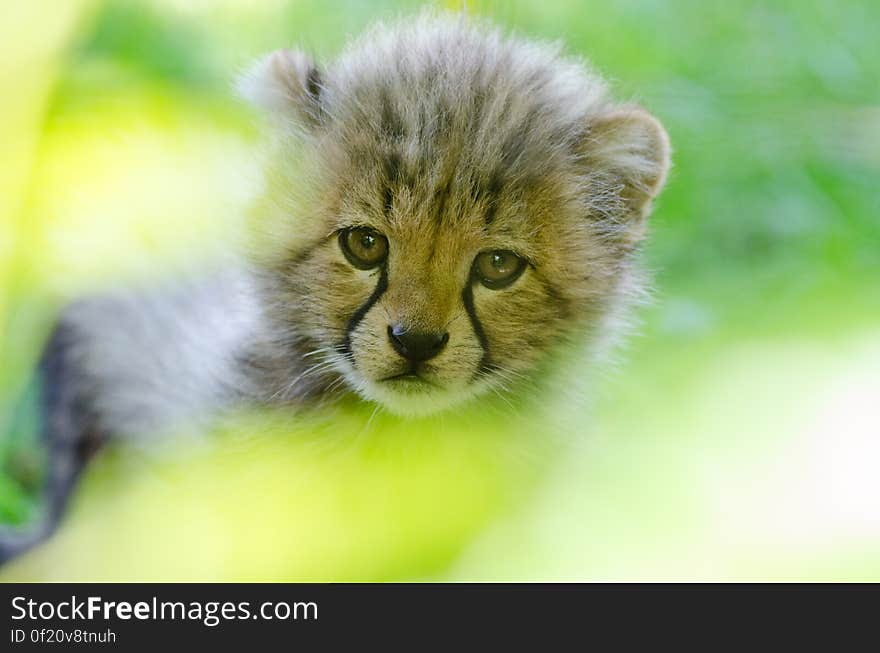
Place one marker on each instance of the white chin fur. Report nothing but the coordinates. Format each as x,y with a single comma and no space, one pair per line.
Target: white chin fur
420,404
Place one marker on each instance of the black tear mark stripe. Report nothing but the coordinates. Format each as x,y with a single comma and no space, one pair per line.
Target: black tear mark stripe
381,287
468,299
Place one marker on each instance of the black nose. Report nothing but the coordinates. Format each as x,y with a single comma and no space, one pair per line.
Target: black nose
416,346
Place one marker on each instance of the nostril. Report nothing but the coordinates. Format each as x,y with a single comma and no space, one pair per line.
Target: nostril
416,346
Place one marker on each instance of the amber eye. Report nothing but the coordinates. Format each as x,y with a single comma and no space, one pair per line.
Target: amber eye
363,247
499,268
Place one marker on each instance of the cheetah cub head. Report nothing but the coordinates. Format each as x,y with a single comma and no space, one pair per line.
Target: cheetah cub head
447,206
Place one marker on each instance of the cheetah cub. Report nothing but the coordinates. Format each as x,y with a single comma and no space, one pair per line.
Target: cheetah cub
444,209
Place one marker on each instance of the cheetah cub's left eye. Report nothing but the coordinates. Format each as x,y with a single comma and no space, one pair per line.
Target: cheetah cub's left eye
364,248
499,268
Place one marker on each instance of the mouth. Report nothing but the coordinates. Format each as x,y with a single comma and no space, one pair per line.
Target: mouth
413,392
409,381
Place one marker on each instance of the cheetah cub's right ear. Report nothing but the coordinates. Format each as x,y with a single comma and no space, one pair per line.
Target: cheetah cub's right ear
287,84
630,146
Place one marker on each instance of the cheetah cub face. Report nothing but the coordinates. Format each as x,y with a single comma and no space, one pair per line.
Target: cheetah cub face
450,206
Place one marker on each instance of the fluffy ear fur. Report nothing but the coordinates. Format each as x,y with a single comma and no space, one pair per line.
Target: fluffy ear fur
630,146
286,83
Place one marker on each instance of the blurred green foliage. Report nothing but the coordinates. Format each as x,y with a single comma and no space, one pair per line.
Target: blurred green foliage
768,232
771,108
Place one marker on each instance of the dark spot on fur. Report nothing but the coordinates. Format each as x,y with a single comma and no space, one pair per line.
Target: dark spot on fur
387,200
398,174
392,124
492,194
441,194
515,146
393,167
313,83
491,209
314,109
443,119
479,101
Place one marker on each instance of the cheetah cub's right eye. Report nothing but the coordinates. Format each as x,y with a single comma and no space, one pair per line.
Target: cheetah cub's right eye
364,248
499,268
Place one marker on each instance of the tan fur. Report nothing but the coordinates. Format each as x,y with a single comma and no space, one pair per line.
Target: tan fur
449,139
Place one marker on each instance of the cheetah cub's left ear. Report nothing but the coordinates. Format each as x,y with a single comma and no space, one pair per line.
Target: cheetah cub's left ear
631,148
287,84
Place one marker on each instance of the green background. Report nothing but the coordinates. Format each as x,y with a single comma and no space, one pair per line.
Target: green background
737,436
